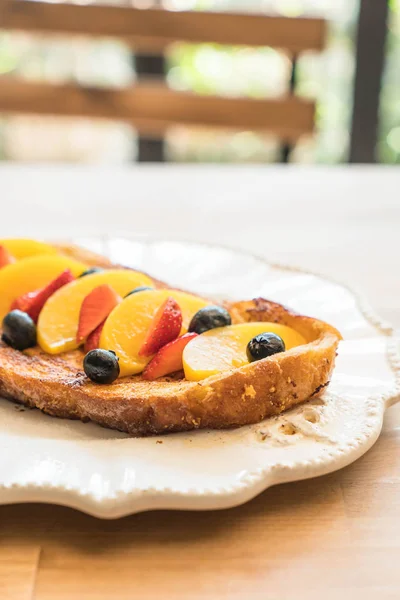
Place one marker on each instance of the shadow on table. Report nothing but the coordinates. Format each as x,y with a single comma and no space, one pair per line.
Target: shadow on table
272,511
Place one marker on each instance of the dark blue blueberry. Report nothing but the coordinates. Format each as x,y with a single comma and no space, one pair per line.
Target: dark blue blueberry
19,330
263,345
209,317
101,366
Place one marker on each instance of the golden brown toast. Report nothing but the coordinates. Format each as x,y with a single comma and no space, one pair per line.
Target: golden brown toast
58,386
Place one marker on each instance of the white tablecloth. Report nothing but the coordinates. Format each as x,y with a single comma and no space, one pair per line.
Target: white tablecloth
341,221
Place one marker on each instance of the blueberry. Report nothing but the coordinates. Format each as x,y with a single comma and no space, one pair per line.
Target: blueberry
91,271
263,345
141,288
19,330
101,366
209,317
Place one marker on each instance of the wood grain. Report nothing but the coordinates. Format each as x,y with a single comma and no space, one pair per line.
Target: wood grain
153,29
19,559
153,107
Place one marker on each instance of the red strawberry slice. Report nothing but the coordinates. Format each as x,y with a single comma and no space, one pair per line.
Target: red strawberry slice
95,309
5,257
93,339
168,359
33,302
165,327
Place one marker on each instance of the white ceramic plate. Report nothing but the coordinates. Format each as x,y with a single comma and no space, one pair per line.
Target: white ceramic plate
108,474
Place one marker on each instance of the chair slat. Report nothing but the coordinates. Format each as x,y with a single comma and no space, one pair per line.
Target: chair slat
153,107
154,29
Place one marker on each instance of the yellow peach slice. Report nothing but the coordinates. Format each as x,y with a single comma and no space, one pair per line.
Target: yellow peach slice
59,319
30,274
127,326
224,348
24,248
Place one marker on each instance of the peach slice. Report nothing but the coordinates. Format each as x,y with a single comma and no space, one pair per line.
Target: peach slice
59,319
30,274
24,248
224,348
126,328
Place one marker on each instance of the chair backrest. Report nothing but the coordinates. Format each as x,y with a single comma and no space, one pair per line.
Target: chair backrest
151,106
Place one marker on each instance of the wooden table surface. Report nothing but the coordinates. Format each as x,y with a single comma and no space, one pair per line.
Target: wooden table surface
336,537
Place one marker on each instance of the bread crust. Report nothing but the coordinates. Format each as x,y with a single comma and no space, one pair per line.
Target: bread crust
58,386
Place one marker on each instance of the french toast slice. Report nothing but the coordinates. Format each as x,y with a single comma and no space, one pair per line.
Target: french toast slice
58,386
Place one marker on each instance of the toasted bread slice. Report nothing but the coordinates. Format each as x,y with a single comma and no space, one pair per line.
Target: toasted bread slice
58,386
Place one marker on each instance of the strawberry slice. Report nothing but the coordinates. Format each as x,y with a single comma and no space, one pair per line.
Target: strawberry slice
168,359
33,302
5,257
95,309
93,339
165,327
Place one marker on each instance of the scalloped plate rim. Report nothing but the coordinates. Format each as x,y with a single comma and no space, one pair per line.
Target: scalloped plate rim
125,503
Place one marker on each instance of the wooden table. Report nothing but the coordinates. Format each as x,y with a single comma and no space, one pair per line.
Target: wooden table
336,537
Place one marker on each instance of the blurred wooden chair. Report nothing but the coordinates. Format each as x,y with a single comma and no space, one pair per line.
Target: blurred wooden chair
149,105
